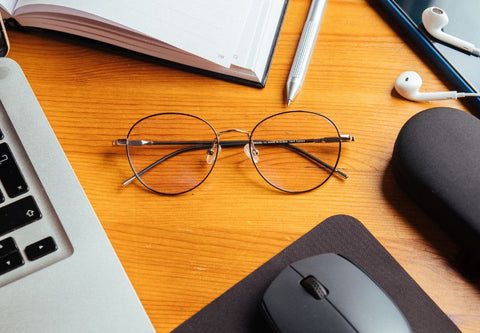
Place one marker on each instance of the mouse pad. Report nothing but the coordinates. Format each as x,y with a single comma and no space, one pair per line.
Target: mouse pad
239,308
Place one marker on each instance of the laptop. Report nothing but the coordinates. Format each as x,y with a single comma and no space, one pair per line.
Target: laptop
58,270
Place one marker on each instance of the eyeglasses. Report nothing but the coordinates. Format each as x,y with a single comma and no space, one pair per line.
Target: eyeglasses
173,153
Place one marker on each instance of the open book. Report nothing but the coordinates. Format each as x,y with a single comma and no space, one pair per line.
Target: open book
232,39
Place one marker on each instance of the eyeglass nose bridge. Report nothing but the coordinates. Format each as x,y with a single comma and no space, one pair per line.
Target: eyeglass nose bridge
247,133
251,152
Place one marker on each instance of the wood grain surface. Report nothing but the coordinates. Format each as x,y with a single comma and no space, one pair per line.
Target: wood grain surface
181,252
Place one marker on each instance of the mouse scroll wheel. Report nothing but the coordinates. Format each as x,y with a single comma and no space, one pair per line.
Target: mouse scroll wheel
314,287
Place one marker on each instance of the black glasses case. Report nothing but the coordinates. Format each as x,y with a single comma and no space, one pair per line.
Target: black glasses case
436,160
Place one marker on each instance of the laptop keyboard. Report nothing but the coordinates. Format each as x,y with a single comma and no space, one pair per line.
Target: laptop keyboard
10,175
29,239
17,214
21,212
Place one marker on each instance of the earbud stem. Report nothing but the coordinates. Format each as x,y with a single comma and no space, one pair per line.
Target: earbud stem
435,96
459,95
455,41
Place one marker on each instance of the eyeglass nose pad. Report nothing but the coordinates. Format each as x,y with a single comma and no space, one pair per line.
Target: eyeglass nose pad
254,153
212,153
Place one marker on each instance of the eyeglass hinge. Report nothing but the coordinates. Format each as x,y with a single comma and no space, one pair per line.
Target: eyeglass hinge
119,142
346,137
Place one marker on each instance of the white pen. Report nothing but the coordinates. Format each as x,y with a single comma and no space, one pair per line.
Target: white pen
305,49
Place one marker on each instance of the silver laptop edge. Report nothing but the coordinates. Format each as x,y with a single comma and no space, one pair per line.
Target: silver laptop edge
83,288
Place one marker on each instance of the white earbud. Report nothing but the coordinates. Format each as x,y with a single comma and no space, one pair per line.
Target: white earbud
434,19
408,86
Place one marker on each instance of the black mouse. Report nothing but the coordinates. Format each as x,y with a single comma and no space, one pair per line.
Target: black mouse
328,293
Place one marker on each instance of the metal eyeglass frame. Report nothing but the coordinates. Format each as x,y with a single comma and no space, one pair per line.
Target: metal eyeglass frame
215,147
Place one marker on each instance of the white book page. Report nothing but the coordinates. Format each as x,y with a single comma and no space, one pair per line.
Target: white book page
8,5
260,58
251,36
210,29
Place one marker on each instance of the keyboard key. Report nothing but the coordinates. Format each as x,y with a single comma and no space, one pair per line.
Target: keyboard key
7,246
10,174
10,262
18,214
40,248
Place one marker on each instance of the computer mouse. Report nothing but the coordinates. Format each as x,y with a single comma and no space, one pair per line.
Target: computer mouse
328,293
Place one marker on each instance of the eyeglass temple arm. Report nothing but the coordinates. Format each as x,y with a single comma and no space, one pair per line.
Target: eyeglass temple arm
317,160
205,145
288,144
232,143
162,159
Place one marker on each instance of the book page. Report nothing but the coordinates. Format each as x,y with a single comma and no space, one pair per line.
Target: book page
251,35
210,29
8,5
259,59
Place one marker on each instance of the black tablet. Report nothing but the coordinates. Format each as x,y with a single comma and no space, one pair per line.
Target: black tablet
460,69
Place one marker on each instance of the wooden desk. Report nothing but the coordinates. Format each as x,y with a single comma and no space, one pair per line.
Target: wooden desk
182,252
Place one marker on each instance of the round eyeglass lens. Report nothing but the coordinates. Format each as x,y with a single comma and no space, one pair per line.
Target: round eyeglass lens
172,153
296,151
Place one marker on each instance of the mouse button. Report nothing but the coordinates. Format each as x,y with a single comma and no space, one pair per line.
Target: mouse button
323,267
283,286
358,298
364,303
290,308
335,273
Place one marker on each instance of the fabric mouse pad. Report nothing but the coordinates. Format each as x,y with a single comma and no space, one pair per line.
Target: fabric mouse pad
239,308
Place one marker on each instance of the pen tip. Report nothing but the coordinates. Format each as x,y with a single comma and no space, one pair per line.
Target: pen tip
289,101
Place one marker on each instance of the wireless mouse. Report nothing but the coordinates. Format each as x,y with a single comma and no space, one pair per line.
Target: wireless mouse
328,293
